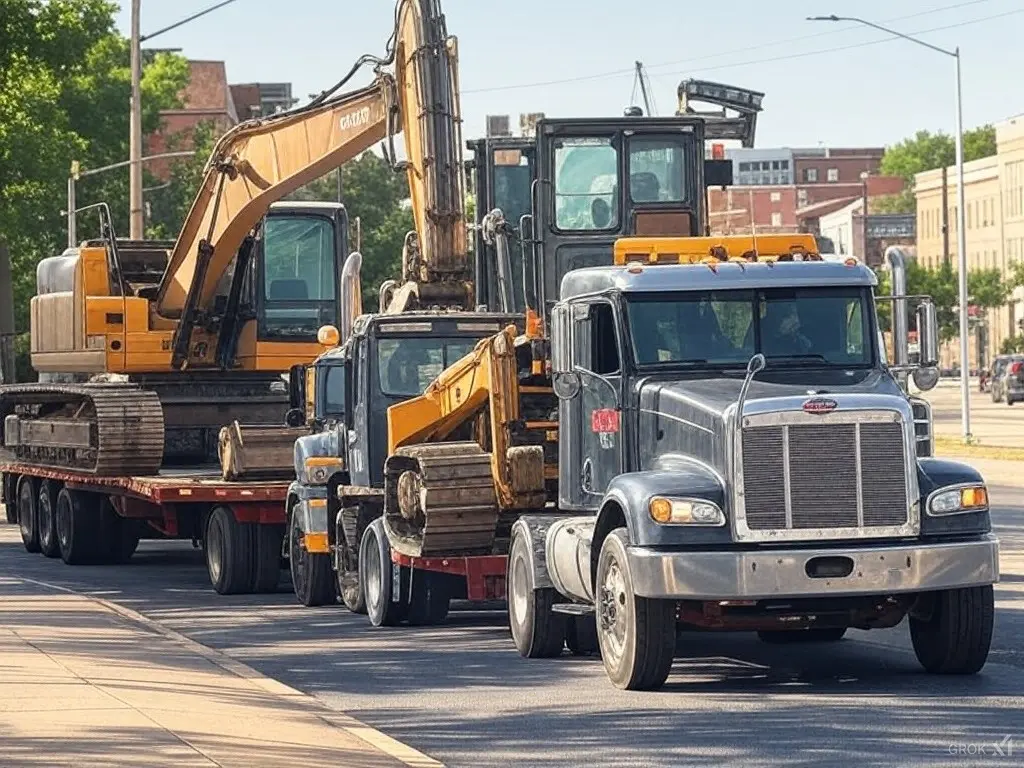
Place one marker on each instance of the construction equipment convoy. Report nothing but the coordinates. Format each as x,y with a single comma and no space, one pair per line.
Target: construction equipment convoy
148,351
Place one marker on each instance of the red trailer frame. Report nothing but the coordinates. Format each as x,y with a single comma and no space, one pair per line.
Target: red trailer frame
484,574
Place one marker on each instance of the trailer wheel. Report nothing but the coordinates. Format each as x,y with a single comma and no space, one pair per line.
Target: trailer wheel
49,544
349,586
229,553
377,576
119,537
312,578
812,635
28,513
267,571
955,639
581,636
637,634
11,498
77,527
537,631
430,598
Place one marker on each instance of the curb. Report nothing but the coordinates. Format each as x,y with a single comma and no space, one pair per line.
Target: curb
380,741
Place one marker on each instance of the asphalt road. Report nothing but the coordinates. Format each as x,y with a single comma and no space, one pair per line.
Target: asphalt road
461,694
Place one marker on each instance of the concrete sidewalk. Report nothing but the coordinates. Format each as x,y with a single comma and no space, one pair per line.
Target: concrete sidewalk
83,683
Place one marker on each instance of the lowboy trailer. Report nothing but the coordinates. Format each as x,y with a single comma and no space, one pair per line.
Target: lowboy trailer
95,519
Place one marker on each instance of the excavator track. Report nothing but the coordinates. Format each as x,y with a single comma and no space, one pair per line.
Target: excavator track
100,429
440,500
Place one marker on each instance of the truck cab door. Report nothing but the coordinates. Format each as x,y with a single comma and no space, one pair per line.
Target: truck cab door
593,415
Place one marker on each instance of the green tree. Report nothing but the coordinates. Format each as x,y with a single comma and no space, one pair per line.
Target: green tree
378,195
926,151
64,93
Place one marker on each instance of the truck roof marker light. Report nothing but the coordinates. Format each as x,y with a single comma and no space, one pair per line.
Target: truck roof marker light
850,263
634,267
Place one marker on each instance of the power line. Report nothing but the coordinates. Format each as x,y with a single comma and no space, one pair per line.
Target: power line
719,54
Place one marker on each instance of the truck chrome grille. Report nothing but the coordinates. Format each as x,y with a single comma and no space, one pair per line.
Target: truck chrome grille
824,476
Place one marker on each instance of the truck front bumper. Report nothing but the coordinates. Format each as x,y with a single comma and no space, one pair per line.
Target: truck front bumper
786,572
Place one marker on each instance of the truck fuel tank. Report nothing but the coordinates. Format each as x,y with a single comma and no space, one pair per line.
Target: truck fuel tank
567,549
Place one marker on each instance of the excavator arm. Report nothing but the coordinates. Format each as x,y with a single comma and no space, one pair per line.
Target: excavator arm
253,165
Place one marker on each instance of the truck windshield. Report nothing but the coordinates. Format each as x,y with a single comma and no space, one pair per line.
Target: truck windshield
406,366
803,326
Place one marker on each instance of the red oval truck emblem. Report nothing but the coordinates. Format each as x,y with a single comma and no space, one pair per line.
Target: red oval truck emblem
820,405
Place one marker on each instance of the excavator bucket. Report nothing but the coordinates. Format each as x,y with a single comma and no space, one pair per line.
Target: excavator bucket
258,452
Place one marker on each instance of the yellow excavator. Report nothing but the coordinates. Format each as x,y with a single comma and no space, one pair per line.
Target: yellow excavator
146,352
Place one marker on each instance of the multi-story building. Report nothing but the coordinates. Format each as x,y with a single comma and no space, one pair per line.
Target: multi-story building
786,190
261,99
994,230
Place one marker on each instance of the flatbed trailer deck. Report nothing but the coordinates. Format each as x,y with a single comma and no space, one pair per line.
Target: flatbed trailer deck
84,518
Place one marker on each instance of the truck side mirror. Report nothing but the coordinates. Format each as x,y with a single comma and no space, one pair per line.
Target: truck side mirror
927,375
927,334
564,379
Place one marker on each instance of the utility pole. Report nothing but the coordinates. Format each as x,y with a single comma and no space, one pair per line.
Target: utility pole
7,361
135,131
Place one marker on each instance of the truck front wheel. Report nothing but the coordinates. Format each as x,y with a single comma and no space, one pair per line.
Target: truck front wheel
537,631
312,579
955,638
637,635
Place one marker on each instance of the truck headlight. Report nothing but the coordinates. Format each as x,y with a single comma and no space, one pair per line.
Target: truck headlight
668,511
318,469
970,498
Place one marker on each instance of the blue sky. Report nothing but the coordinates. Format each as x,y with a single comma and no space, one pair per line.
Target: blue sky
825,83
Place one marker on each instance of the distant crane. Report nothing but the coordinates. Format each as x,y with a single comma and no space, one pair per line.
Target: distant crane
642,79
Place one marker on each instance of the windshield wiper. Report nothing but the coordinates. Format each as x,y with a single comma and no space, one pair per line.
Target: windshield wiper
812,356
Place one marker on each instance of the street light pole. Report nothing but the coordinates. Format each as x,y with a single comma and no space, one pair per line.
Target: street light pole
965,368
135,132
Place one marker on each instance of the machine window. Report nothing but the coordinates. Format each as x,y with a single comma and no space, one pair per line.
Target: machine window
334,391
298,274
512,183
407,366
586,184
656,170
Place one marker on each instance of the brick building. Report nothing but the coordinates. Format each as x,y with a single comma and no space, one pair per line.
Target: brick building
207,97
788,190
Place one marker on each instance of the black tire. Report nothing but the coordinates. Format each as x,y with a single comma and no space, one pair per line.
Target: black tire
350,588
581,636
955,639
377,577
637,634
78,527
1010,400
11,498
312,578
230,551
430,599
813,635
46,512
267,565
119,536
537,631
28,513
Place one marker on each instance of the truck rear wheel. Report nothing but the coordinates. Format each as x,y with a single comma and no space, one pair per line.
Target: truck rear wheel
581,636
28,513
78,527
955,639
229,553
637,634
537,631
267,565
49,544
377,577
812,635
312,578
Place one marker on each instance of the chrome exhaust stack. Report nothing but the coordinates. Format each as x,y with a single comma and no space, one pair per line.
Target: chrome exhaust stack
351,294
